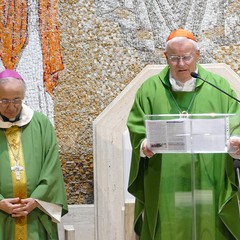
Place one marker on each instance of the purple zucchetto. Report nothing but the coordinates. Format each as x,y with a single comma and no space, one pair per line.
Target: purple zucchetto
10,73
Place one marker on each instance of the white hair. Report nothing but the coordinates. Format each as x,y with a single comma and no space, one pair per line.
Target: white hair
4,80
181,39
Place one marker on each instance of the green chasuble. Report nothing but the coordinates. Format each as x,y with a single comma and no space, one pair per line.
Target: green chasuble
162,184
42,175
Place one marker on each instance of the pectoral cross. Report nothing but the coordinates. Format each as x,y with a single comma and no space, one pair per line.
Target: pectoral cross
17,168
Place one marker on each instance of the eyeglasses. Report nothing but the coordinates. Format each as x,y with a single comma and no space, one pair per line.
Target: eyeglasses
6,102
176,59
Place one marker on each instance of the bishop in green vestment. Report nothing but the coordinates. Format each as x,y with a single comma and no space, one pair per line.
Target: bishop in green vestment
32,191
162,183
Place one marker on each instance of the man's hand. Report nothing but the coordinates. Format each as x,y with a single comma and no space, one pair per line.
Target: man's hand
17,207
146,151
234,147
27,205
9,204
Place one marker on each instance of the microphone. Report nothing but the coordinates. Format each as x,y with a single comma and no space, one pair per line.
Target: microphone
195,75
236,165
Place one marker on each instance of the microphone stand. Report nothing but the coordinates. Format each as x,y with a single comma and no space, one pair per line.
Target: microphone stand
195,75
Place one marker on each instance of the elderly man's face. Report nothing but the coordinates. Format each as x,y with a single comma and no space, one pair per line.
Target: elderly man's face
182,58
11,94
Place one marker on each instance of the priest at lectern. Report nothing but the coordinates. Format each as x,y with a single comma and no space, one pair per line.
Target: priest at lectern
170,204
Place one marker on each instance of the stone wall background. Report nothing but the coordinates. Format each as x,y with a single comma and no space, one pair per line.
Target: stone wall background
105,44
